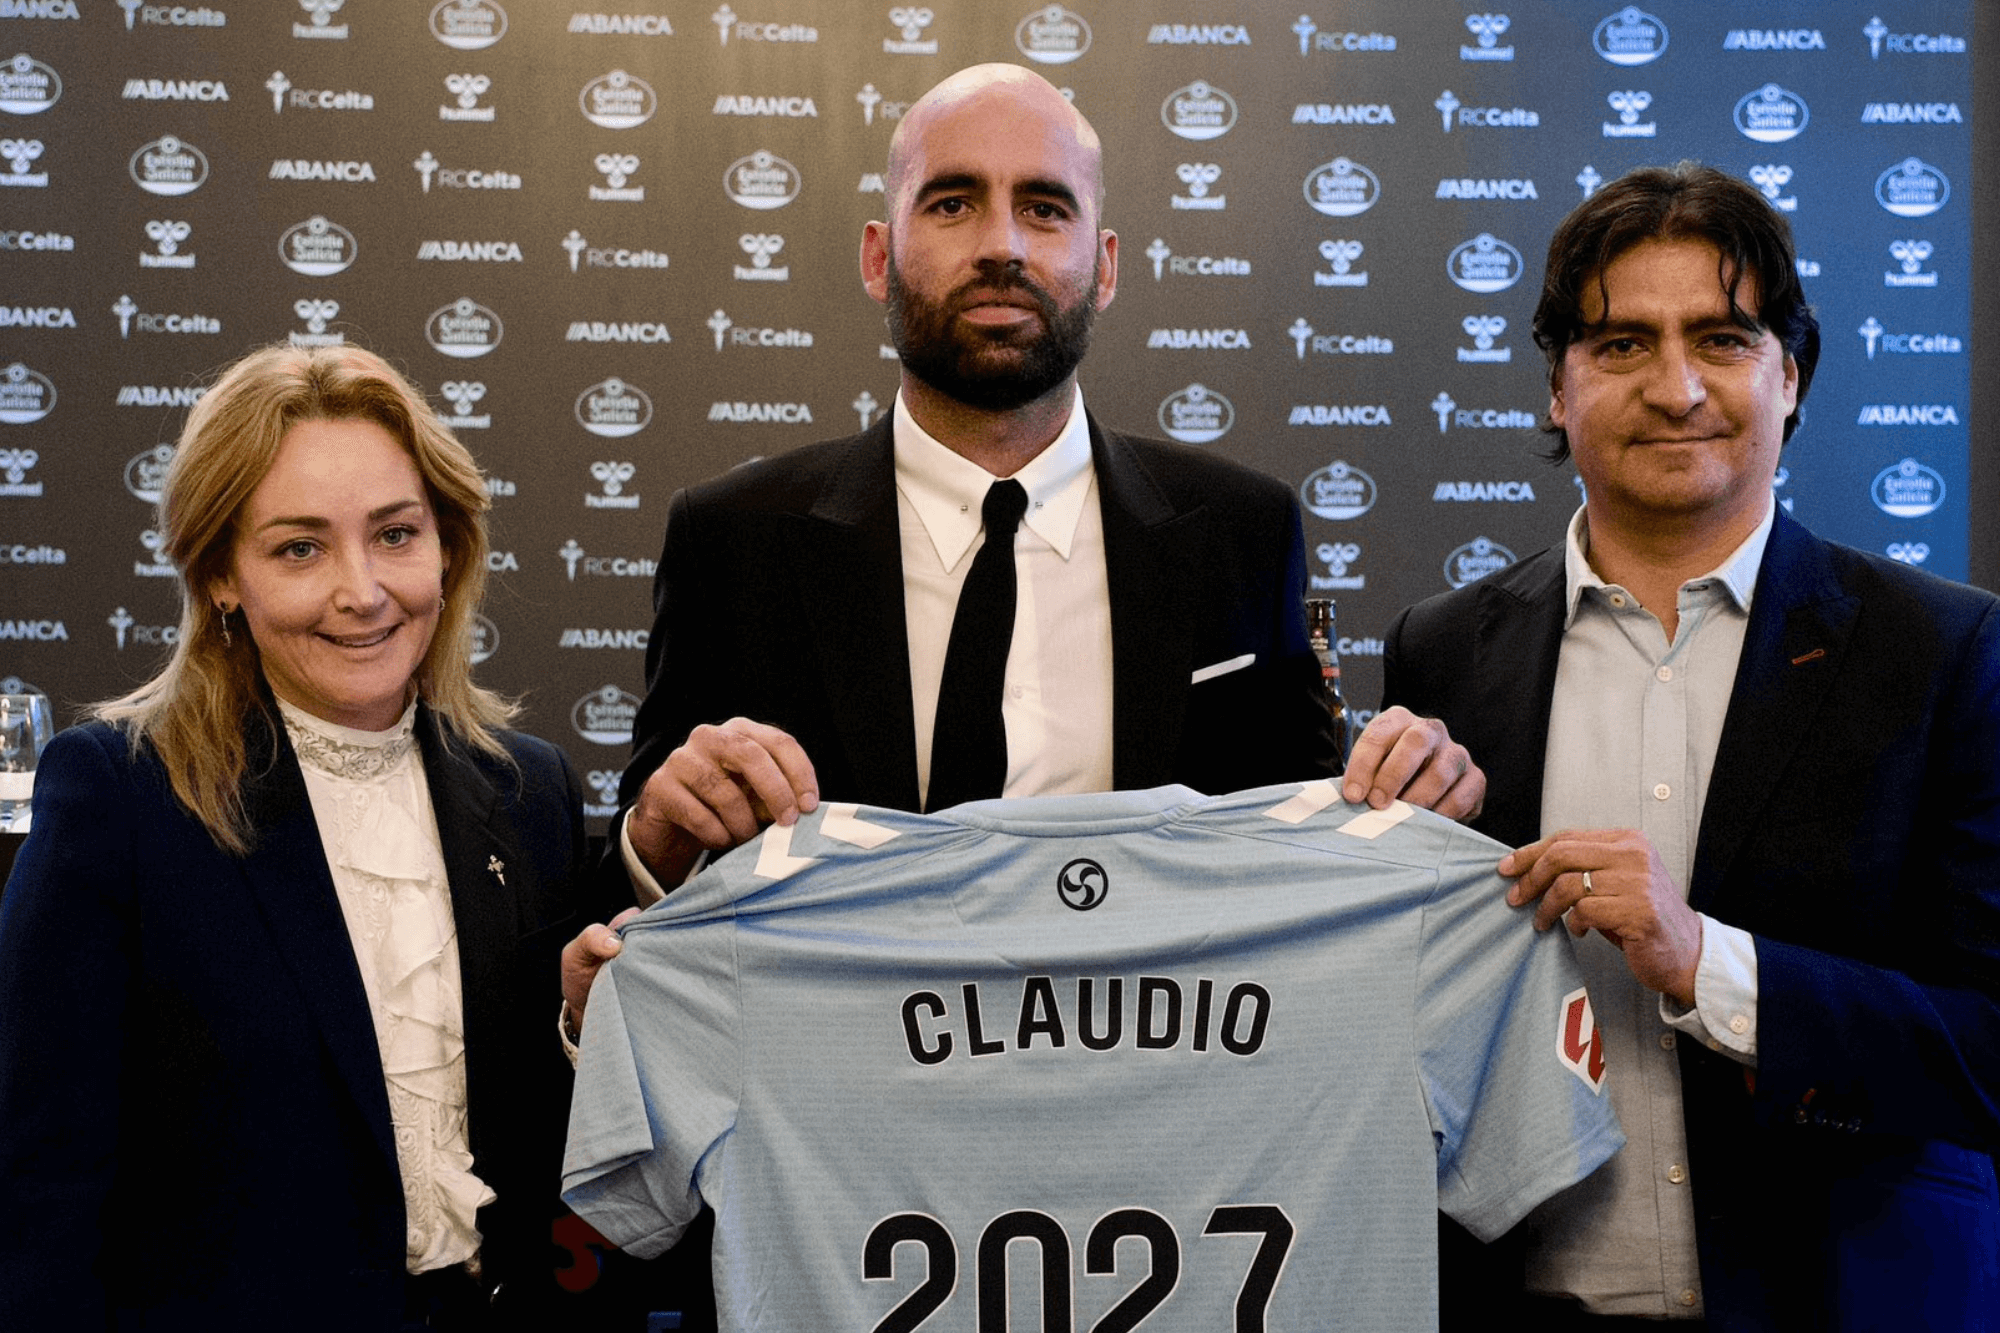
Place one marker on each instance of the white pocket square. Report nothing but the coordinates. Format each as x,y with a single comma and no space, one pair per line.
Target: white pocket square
1222,668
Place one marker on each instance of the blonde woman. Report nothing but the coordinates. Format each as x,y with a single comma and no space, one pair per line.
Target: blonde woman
278,960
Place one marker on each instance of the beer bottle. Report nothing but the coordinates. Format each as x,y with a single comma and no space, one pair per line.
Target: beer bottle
1320,632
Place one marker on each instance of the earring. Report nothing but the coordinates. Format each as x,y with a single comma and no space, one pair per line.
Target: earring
440,603
227,642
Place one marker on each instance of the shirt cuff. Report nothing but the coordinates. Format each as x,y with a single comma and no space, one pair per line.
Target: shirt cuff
645,888
1724,1017
563,1026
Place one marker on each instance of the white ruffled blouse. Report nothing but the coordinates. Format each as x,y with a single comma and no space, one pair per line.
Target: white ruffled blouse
375,820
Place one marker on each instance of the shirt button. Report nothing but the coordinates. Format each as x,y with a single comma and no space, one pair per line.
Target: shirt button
1665,673
1661,791
1739,1024
1688,1298
1676,1175
1666,1041
1617,599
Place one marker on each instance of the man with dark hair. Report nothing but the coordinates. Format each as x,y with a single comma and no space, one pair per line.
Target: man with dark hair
1758,775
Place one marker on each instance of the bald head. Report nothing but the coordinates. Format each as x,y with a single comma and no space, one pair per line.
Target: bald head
1012,100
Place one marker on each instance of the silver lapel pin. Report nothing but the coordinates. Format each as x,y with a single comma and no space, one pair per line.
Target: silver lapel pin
496,865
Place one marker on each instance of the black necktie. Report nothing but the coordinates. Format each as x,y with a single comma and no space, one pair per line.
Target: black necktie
969,742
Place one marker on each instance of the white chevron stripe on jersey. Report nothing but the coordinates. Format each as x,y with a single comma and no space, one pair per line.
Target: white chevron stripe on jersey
774,854
1312,798
1376,822
843,824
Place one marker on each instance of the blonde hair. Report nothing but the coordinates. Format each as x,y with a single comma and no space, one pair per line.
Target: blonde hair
194,712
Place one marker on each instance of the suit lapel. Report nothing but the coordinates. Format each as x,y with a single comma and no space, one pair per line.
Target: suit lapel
1151,633
1519,638
1800,621
860,637
288,880
478,855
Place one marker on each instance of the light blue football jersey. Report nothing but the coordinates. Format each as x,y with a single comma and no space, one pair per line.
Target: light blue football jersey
1139,1059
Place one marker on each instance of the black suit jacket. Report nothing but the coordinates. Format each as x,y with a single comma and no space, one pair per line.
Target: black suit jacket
194,1131
1852,825
779,597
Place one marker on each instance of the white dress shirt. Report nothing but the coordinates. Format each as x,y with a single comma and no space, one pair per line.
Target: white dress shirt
373,808
1056,699
1633,733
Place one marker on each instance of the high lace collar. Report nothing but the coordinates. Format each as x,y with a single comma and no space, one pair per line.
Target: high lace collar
348,752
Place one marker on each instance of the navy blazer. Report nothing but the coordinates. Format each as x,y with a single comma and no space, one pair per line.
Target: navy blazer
779,597
1852,826
194,1130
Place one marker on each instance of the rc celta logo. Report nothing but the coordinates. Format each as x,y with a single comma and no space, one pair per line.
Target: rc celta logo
1874,335
613,409
1165,261
1630,37
1339,491
1304,337
1909,43
750,30
170,16
1052,36
1312,39
582,252
1196,415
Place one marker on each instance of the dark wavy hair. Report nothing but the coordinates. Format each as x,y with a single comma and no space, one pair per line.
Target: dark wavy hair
1683,202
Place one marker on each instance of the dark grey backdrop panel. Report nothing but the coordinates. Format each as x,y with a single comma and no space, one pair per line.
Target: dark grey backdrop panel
618,247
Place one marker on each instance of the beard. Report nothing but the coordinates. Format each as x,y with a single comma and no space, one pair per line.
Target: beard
994,370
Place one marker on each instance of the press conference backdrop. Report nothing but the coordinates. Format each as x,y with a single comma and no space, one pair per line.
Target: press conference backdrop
617,247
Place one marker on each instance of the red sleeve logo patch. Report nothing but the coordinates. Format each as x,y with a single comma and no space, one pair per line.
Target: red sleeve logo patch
1580,1042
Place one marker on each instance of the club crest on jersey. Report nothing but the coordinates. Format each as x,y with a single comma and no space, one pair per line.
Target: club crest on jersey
1082,884
1580,1042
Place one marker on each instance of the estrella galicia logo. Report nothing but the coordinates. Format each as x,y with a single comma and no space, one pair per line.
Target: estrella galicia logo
618,101
1907,489
1082,884
27,86
1475,560
1485,264
1912,189
169,165
1630,37
1342,188
1338,491
467,25
1199,111
762,180
1196,415
1771,114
